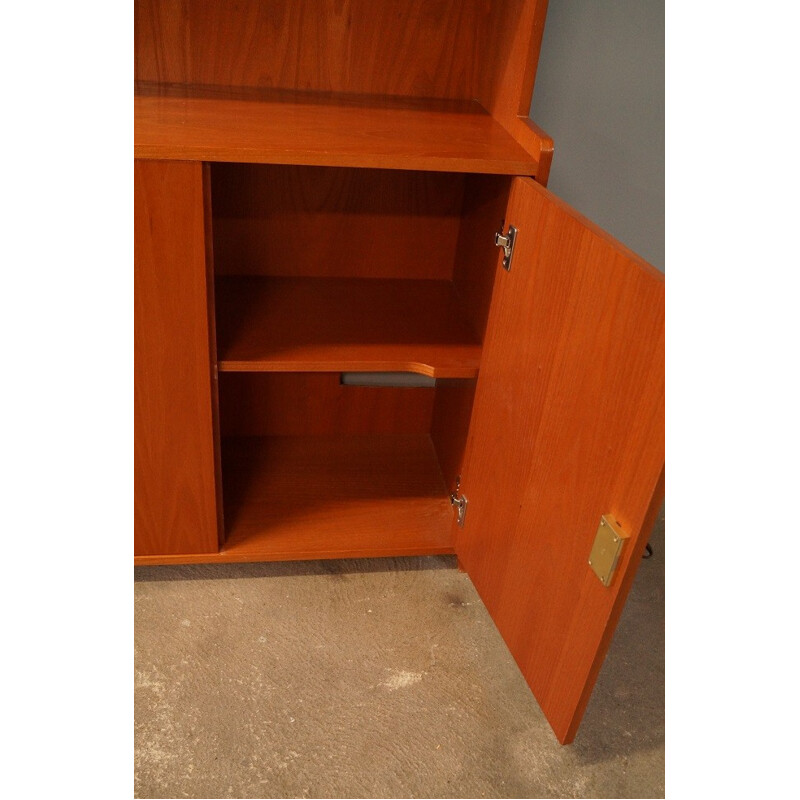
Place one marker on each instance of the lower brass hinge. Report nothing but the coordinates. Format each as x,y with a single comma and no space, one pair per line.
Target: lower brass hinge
459,503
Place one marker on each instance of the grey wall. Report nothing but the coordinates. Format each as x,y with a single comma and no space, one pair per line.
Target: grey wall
600,94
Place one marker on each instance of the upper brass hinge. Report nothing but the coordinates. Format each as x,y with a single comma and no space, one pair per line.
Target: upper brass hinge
506,241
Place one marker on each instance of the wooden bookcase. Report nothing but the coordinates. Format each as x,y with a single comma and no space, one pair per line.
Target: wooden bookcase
318,188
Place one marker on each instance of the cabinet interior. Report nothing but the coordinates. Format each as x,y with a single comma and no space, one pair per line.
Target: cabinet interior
321,271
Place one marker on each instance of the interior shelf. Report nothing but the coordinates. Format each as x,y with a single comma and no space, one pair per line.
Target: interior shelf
267,324
290,127
293,497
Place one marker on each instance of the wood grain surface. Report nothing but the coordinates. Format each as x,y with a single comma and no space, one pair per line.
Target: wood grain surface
316,404
304,131
348,324
389,47
477,256
334,222
452,410
212,342
484,50
568,424
330,497
505,83
175,487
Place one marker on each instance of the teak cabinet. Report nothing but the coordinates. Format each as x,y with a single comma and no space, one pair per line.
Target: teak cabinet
318,186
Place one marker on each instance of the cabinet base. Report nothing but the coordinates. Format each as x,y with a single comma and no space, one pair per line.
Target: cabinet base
320,497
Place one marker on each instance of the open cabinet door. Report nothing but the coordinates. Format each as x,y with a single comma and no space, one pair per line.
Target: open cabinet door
567,426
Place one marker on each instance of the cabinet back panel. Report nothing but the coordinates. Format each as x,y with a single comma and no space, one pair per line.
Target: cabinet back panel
291,221
314,404
422,48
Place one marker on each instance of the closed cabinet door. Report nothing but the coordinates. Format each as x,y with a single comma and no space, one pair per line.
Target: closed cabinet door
565,456
175,482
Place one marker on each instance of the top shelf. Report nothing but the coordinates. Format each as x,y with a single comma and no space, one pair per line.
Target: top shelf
283,127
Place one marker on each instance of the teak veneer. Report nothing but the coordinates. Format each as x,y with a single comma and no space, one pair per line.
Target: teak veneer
318,187
303,129
345,325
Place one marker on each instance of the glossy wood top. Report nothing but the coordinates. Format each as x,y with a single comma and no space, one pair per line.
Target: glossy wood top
285,127
343,324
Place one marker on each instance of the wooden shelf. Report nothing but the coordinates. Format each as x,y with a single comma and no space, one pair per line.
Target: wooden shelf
343,324
290,497
283,127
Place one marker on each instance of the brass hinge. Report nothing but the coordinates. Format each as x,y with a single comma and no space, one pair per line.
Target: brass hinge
607,548
459,502
506,241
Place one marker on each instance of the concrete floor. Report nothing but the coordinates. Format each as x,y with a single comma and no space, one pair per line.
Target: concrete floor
377,678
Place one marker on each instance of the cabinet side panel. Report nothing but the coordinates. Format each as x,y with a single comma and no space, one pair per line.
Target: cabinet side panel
175,487
452,410
208,232
504,83
482,214
477,257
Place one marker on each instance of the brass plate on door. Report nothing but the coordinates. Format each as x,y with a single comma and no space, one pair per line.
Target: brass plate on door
607,549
